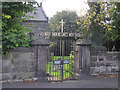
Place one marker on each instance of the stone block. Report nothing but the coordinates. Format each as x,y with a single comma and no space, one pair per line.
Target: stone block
7,56
8,76
24,75
19,75
17,62
16,55
6,66
22,55
27,75
76,76
27,62
0,76
23,62
25,56
18,68
32,69
0,66
94,70
25,68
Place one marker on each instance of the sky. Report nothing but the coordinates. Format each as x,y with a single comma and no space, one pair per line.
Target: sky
51,7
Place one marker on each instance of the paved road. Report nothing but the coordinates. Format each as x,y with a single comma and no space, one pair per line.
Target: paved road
89,82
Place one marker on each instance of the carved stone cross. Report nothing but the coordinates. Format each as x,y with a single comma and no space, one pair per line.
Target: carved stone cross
62,25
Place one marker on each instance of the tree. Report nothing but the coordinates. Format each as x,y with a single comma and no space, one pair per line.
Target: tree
13,33
100,24
70,19
89,24
114,32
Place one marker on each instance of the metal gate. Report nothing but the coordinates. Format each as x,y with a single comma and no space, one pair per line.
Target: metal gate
60,65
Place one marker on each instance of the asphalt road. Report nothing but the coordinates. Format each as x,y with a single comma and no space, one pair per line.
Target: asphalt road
89,82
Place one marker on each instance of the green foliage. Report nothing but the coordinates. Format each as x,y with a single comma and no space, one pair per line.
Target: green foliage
70,19
72,54
101,24
89,24
14,34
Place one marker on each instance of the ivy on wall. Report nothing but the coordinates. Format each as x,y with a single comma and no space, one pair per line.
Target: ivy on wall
14,34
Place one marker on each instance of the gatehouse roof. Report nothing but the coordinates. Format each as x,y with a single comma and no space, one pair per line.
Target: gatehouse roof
39,16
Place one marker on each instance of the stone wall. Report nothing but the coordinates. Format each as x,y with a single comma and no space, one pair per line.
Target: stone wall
24,62
105,63
18,64
39,26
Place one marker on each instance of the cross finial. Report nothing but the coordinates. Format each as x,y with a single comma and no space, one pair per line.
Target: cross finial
41,4
62,25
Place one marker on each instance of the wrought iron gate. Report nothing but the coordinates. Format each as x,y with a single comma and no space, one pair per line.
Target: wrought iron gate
60,65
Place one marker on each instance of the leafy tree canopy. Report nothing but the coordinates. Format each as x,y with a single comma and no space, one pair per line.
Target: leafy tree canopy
13,32
70,19
101,24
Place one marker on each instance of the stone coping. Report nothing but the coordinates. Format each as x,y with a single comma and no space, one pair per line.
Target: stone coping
22,49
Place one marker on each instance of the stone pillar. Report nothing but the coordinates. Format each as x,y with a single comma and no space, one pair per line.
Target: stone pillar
76,63
82,60
42,60
76,72
41,50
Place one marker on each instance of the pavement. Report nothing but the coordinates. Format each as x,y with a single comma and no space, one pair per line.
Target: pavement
84,82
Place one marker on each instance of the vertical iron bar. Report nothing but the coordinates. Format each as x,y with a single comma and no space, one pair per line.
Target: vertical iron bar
57,59
73,57
52,57
65,55
70,58
49,74
54,66
62,56
50,61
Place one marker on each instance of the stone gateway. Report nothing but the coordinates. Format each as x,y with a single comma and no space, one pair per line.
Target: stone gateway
54,55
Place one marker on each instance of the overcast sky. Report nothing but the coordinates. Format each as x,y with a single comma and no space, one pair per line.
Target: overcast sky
52,6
